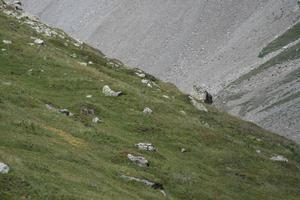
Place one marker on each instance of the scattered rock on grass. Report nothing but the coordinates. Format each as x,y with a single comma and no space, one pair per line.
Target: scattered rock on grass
89,96
96,120
157,186
147,111
202,95
66,112
109,92
139,160
279,158
4,169
147,82
87,111
183,150
146,146
39,41
7,42
140,74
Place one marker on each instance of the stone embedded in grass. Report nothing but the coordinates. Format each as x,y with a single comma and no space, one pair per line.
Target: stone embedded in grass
182,112
39,41
166,97
183,150
139,160
90,63
7,42
258,151
147,82
3,50
157,186
50,107
146,146
199,106
89,96
66,112
147,111
4,169
141,75
96,120
279,158
110,93
83,63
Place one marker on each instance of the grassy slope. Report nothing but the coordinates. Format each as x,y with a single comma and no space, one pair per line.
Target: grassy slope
57,157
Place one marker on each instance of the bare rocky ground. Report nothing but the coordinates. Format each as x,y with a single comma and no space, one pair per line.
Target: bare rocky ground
195,42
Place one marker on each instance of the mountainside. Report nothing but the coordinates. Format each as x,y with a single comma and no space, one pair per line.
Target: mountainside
196,42
76,124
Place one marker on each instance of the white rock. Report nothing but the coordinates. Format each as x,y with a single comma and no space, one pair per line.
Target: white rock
147,82
66,112
89,96
7,42
139,160
83,63
146,146
39,41
199,106
279,158
182,112
258,151
96,120
90,63
147,111
141,75
183,150
4,169
109,92
3,50
166,97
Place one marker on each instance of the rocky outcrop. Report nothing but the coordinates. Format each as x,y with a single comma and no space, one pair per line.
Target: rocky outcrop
201,94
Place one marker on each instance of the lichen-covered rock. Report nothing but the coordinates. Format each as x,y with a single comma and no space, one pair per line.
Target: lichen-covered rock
4,168
109,92
139,160
146,146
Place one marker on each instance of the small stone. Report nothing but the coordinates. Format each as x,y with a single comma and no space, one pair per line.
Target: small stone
146,146
166,97
49,106
96,120
39,41
89,96
7,42
147,82
87,111
139,160
183,150
258,151
279,158
182,112
90,63
3,50
141,75
109,92
66,112
4,169
83,63
147,111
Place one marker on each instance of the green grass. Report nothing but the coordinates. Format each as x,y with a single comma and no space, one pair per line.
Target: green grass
288,37
52,156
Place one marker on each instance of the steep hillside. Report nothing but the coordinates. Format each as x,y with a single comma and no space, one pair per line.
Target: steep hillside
62,137
196,42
